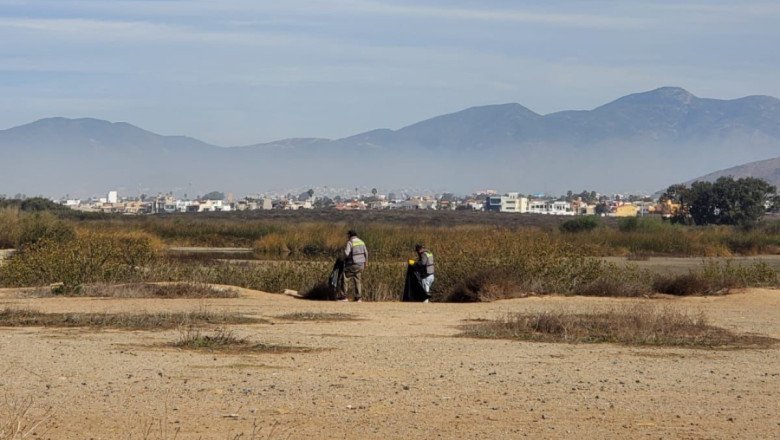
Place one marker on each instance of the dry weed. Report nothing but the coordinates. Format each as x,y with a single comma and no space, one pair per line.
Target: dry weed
20,419
224,340
633,325
317,316
11,317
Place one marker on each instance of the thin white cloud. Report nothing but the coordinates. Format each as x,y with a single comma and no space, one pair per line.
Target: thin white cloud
138,31
537,15
495,15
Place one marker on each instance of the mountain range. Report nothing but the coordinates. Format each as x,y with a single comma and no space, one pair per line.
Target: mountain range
768,170
637,143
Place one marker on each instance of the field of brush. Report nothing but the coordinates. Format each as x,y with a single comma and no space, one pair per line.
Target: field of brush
479,256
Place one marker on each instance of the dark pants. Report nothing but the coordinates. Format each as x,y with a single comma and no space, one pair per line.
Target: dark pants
354,272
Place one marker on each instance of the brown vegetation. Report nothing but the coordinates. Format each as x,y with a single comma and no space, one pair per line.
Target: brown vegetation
224,340
20,419
317,316
474,262
11,317
146,290
636,325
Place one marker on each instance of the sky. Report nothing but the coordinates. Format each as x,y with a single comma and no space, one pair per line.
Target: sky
239,72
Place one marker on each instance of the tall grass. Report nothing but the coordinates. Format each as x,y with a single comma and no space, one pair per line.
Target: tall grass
10,228
473,262
391,236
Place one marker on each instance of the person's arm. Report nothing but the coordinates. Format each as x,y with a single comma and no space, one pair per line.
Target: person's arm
348,249
419,265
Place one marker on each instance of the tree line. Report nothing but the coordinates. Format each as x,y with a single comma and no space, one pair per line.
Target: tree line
725,201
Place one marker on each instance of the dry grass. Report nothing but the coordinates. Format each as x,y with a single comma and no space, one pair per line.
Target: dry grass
224,340
317,316
157,429
11,317
20,419
150,290
634,325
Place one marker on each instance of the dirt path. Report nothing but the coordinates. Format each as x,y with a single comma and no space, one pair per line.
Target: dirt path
398,373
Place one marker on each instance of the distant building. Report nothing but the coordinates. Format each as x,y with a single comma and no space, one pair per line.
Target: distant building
551,207
626,210
417,203
511,202
113,197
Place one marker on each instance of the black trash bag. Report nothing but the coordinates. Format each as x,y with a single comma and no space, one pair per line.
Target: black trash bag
413,287
335,277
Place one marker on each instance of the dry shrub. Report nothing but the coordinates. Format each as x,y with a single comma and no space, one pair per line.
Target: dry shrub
638,256
168,290
11,317
320,292
20,419
274,243
683,285
471,289
10,228
618,281
192,338
716,278
317,317
633,325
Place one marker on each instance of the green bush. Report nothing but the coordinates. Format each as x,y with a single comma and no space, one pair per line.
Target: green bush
43,226
580,224
644,224
86,259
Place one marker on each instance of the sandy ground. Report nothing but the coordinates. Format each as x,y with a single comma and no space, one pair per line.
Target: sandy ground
398,373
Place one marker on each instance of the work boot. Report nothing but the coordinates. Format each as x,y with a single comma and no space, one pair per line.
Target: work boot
343,300
358,300
426,301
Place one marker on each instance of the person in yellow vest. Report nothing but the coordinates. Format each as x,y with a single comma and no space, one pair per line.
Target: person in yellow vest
425,267
355,260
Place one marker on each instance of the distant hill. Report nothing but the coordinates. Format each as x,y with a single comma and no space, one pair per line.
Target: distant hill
636,143
768,170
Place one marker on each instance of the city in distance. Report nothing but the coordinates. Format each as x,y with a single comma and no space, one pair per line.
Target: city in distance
637,144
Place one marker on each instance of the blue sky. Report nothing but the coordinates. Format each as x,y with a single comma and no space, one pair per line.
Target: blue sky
240,72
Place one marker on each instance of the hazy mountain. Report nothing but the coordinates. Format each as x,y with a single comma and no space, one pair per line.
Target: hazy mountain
768,170
636,143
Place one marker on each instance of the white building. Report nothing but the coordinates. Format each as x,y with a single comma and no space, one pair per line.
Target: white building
113,197
551,207
213,206
511,202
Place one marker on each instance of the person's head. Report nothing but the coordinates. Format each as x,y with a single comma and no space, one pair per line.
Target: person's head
351,233
418,248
